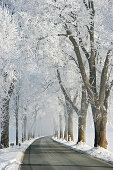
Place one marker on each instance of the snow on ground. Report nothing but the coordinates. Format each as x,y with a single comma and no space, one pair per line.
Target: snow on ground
10,158
99,152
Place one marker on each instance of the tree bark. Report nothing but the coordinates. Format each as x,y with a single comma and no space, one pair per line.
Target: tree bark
70,112
24,129
82,117
23,134
56,134
70,126
16,114
81,129
100,128
17,128
28,135
61,127
5,123
25,123
66,127
5,115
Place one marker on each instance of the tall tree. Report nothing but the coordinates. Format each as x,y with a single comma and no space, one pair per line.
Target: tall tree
82,113
98,94
99,108
66,127
61,126
82,116
16,115
24,123
5,114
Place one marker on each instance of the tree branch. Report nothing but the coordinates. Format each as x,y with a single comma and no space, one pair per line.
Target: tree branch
84,49
82,69
86,5
11,88
104,78
65,35
81,43
65,93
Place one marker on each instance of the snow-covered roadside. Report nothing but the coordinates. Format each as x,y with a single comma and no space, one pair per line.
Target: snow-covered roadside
99,152
10,158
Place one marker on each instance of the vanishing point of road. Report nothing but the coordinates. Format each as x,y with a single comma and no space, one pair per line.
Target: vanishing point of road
45,154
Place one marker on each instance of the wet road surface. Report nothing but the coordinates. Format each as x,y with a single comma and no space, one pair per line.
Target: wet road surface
45,154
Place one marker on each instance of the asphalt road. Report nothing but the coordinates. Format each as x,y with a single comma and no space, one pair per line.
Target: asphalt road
45,154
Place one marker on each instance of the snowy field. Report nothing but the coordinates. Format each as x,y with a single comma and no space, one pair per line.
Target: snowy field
11,157
99,152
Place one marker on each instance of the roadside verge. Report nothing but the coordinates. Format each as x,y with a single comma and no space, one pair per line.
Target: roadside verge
11,158
100,153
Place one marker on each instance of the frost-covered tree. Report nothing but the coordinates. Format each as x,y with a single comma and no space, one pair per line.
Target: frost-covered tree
81,113
90,39
39,23
8,55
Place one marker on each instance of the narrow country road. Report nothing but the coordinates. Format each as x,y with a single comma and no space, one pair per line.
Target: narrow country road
45,154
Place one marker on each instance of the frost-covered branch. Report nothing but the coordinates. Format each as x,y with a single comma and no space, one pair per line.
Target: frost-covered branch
65,93
104,77
86,5
82,69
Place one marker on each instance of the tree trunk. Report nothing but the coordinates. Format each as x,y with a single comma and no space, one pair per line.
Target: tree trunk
82,117
56,133
100,129
29,135
16,114
70,126
24,129
61,127
5,123
25,123
81,129
23,134
5,115
33,135
66,127
17,128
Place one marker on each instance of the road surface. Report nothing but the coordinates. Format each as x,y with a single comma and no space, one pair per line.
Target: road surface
45,154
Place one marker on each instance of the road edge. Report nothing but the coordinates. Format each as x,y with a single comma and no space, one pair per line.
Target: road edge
22,157
85,153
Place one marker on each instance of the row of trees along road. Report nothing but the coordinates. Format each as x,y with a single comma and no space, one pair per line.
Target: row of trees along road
11,71
97,95
88,37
